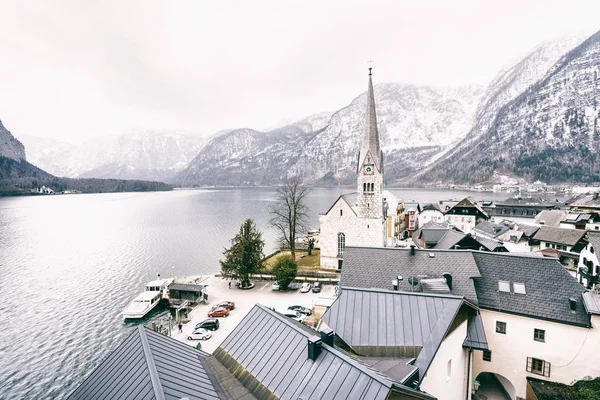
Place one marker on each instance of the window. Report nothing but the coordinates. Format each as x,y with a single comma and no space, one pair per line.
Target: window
341,212
547,244
449,370
591,249
504,286
487,355
597,269
539,335
501,327
538,367
519,288
341,244
584,261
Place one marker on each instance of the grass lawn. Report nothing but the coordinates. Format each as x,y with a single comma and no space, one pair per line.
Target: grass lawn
304,261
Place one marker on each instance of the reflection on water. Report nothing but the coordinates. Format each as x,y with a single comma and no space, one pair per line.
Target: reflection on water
70,264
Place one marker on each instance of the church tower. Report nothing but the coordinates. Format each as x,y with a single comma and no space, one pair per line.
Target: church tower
370,164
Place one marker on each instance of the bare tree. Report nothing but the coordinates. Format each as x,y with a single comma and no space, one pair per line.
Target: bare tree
289,214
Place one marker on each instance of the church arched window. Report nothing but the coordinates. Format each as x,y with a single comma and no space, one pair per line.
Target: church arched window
341,244
364,187
341,212
372,187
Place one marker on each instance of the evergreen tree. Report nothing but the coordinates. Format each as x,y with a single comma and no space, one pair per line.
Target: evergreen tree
245,256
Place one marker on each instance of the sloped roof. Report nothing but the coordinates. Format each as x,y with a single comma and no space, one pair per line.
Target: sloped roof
559,235
187,287
550,217
490,229
594,239
586,201
528,229
431,207
468,203
506,236
372,267
548,286
488,243
450,239
273,350
591,301
373,318
476,334
523,201
148,365
349,198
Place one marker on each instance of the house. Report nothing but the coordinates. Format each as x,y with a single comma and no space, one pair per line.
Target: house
569,240
550,217
515,237
277,357
586,203
442,237
148,365
588,267
412,211
395,218
521,207
359,218
536,317
422,340
465,214
180,292
430,212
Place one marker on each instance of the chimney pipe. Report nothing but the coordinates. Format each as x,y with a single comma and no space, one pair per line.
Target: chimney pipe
412,249
448,278
572,304
314,347
327,336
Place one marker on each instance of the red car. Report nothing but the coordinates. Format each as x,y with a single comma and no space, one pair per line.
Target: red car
230,305
218,312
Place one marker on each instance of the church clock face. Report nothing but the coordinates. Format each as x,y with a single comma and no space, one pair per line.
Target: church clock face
368,169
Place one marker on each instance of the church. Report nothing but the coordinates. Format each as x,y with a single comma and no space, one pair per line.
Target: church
359,218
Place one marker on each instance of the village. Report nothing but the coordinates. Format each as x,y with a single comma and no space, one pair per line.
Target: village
456,299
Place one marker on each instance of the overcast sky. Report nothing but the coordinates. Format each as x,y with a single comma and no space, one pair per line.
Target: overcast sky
77,69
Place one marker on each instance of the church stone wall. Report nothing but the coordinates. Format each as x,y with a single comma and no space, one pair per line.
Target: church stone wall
358,232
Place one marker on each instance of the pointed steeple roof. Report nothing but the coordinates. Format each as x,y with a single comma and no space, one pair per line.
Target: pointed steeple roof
370,139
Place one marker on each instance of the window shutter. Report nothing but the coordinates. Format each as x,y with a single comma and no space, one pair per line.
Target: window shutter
547,369
529,362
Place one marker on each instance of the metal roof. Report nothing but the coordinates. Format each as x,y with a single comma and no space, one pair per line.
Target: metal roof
372,267
392,323
549,287
591,301
272,350
476,334
186,287
148,365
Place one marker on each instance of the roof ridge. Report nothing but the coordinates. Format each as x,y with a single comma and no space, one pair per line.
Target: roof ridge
401,292
153,372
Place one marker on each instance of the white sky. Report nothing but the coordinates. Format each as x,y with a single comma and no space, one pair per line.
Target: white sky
77,69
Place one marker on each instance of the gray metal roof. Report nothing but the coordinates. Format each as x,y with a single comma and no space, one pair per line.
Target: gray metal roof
559,235
399,369
148,365
594,240
371,267
393,323
490,229
476,334
548,285
591,301
273,350
528,229
187,287
431,207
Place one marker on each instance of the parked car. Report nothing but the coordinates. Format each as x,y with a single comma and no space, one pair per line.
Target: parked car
211,324
219,312
305,287
317,287
302,310
275,286
230,305
293,286
199,334
296,316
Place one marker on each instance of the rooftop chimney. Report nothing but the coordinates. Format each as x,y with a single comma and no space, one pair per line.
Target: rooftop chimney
448,278
314,347
327,336
572,304
412,249
596,196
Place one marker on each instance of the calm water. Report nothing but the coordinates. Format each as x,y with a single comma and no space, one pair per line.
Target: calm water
70,264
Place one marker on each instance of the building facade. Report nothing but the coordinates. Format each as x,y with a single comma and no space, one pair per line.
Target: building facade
359,218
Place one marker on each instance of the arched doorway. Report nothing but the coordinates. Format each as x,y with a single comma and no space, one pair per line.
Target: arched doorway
494,387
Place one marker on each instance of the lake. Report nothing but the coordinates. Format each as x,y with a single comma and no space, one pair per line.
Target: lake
70,264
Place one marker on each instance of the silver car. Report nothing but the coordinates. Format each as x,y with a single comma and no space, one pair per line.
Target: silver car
199,334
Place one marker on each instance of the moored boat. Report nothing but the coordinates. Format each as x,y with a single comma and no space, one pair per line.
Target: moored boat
146,301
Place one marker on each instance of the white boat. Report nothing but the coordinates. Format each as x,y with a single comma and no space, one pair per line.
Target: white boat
144,302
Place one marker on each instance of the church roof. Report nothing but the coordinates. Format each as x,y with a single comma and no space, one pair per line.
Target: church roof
349,198
370,140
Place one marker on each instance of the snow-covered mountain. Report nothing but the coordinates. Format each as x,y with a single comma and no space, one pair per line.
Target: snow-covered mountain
415,124
138,154
10,147
539,119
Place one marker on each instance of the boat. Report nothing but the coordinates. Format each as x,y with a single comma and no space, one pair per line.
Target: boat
146,301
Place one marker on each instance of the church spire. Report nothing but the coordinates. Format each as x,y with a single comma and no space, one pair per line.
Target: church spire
370,139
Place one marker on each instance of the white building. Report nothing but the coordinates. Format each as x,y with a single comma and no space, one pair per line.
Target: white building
359,218
465,214
588,268
430,212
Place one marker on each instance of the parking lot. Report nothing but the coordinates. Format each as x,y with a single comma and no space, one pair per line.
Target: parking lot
218,290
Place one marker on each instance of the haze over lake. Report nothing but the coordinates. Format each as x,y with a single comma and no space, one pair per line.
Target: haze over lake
70,264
